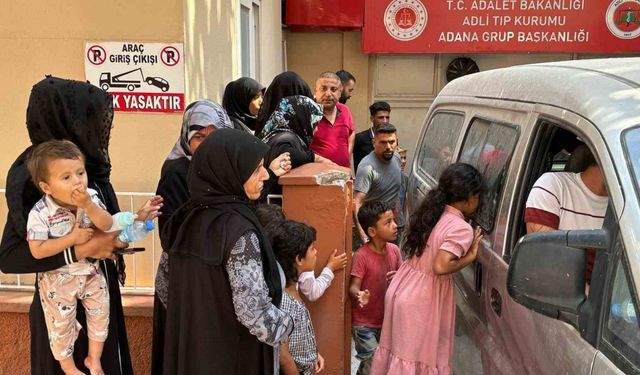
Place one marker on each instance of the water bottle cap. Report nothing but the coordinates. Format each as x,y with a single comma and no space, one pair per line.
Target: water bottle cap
149,226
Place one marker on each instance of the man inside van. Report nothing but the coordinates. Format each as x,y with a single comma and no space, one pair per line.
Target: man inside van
569,201
379,177
380,114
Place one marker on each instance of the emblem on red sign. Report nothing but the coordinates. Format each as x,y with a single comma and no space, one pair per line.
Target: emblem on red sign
405,19
623,18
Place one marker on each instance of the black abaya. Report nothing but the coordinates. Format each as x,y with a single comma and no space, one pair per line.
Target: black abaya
173,188
81,113
203,332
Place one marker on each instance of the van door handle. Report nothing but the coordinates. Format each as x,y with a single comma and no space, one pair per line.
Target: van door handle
478,278
496,301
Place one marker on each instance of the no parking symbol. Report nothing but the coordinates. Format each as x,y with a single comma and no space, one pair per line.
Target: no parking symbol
170,56
96,55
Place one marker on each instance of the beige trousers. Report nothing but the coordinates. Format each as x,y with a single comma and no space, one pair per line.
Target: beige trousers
59,295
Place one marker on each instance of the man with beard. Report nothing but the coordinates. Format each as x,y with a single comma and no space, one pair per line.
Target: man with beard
348,85
380,113
335,133
379,175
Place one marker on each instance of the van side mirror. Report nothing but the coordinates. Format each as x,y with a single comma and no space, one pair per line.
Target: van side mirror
547,273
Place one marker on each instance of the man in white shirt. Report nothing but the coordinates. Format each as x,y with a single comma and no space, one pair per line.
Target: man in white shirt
566,201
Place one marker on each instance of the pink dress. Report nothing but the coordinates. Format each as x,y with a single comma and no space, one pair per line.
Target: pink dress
419,315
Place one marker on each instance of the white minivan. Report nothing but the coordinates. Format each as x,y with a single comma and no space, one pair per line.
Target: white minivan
522,307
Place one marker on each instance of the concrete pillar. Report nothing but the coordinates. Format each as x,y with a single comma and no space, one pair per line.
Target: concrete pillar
321,196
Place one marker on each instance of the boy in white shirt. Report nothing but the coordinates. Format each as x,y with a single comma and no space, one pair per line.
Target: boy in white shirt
270,216
312,287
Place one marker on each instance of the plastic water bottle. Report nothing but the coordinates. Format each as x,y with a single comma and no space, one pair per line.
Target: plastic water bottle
136,231
625,311
122,220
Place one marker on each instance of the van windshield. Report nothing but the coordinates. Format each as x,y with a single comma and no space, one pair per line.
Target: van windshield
631,142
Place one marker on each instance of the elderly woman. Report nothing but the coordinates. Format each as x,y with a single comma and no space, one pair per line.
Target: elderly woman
225,285
81,113
242,100
200,119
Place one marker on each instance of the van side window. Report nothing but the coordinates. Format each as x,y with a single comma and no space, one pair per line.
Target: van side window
439,142
621,331
488,146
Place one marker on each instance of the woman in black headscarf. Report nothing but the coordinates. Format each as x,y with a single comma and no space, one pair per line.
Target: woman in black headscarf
225,284
283,85
242,100
290,129
201,118
81,113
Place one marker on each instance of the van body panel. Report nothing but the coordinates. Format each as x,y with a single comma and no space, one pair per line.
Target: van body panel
603,366
597,100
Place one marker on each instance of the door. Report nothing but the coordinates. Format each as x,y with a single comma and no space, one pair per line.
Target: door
488,145
620,334
531,342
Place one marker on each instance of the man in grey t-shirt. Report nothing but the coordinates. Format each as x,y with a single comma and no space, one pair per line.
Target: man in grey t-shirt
379,177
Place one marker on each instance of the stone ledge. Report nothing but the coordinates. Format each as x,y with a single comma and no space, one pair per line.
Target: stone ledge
20,301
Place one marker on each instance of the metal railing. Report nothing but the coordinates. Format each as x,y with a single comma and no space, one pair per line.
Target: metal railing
141,267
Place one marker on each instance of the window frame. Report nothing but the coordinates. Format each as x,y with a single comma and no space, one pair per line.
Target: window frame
537,146
418,163
630,165
492,121
255,21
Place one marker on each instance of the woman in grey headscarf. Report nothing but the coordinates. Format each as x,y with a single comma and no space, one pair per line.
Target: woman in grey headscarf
200,119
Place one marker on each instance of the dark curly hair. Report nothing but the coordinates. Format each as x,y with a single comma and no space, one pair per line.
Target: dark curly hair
291,239
269,216
457,183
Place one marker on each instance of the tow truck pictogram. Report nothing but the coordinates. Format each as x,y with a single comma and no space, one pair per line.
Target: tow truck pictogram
129,81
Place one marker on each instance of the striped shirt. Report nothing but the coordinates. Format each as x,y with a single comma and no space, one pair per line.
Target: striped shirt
48,220
561,200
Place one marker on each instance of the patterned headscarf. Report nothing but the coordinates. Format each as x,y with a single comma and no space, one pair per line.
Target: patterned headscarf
298,114
198,115
283,85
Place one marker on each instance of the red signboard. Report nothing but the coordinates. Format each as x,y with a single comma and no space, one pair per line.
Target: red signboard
433,26
325,13
148,102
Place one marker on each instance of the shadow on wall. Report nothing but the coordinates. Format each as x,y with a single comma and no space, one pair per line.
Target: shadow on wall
210,26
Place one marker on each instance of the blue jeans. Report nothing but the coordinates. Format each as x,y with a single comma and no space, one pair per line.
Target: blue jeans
366,341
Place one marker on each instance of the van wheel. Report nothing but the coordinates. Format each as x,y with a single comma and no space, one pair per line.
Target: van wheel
130,87
105,86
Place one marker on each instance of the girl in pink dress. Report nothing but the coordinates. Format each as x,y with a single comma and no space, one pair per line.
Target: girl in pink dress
419,316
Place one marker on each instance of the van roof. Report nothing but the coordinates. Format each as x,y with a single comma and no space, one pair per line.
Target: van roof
596,89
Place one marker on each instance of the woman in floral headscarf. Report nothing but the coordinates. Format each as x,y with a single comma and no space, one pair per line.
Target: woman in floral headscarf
290,129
